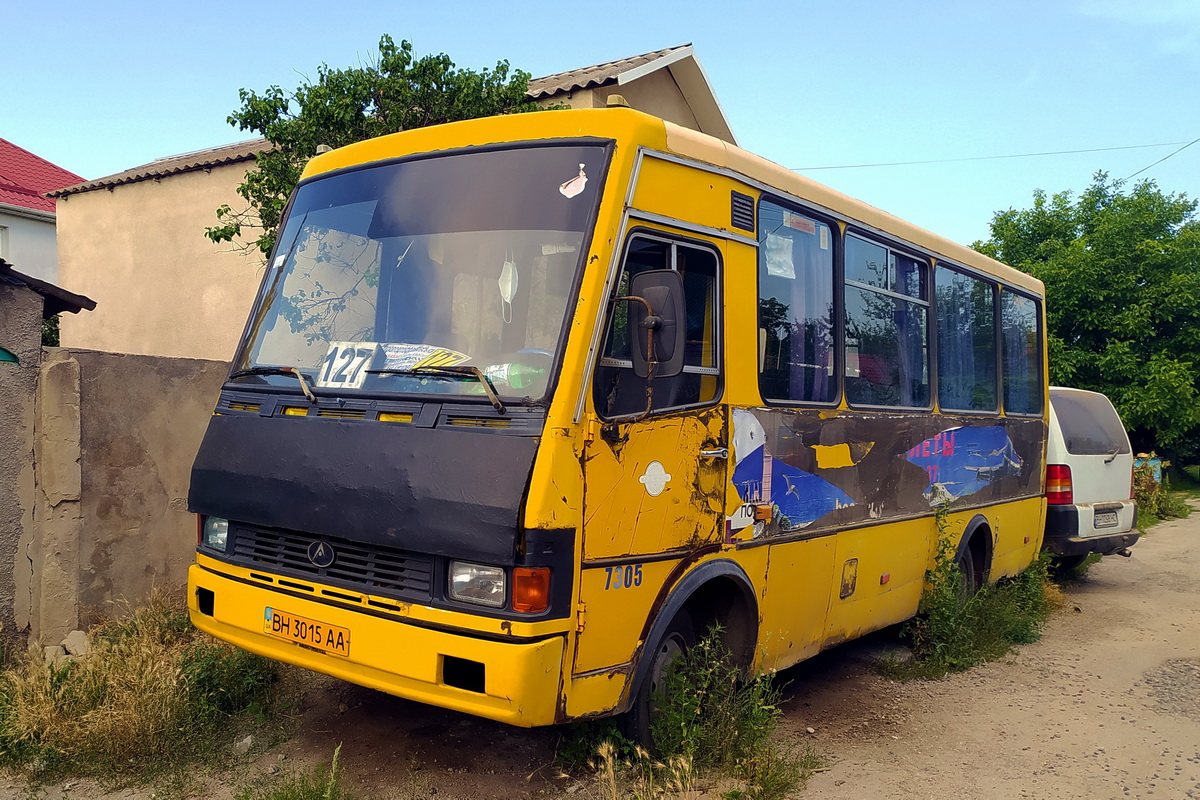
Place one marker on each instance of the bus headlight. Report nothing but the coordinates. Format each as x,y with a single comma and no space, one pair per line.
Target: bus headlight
475,583
215,533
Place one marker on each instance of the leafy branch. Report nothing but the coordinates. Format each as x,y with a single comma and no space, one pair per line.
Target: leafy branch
396,92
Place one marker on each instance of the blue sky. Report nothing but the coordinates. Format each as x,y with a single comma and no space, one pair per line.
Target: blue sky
98,88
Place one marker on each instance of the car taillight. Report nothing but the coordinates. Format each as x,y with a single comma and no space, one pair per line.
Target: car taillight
1132,484
1058,485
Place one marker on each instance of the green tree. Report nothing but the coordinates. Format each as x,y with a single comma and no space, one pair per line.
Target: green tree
397,92
1122,273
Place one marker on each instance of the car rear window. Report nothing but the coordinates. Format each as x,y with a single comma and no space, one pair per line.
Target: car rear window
1089,424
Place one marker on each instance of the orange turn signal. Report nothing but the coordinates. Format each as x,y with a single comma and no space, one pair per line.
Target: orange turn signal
531,589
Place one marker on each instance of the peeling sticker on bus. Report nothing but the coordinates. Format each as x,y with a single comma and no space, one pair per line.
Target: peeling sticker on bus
796,498
961,461
575,186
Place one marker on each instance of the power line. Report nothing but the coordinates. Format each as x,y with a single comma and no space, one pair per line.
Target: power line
1013,155
1164,158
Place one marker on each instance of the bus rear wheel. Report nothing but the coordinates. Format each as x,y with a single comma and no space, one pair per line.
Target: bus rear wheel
972,578
676,640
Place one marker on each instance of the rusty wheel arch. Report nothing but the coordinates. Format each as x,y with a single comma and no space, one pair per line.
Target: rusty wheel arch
717,591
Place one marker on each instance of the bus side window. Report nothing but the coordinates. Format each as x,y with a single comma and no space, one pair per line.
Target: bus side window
795,307
887,327
1021,340
966,338
617,391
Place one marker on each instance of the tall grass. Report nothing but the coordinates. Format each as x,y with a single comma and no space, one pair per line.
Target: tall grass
711,729
953,633
152,694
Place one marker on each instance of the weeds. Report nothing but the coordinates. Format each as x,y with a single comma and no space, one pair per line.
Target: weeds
953,633
708,714
153,694
712,729
316,784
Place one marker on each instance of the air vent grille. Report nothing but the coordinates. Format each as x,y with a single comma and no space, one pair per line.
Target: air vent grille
742,213
371,569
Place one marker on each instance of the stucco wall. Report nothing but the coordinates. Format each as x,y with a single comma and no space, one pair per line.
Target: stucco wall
142,419
29,243
160,286
21,334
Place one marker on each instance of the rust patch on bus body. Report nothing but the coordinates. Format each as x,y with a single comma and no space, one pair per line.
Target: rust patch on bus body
849,578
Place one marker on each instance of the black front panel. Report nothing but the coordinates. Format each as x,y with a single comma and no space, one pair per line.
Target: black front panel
435,491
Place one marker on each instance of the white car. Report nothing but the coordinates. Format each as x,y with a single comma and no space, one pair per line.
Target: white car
1089,479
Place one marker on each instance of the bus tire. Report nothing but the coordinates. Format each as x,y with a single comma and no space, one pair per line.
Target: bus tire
968,566
677,639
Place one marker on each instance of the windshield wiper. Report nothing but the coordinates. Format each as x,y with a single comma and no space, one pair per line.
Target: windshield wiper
300,376
465,371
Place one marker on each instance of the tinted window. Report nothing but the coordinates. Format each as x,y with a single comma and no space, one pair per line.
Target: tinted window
1020,324
1089,423
966,330
887,330
795,307
384,271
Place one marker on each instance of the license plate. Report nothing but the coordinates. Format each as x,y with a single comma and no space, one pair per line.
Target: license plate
309,632
1104,519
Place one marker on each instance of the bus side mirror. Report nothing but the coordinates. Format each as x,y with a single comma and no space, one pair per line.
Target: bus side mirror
656,310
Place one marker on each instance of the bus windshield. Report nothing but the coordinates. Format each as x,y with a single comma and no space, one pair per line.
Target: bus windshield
428,276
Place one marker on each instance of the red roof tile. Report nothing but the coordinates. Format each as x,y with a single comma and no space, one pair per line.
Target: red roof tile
25,178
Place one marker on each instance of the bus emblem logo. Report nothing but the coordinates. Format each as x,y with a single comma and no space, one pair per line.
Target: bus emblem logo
655,478
321,554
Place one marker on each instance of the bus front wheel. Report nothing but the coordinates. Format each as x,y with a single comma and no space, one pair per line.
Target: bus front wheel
677,639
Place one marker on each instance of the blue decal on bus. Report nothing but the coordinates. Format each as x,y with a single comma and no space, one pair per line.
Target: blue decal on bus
797,498
961,461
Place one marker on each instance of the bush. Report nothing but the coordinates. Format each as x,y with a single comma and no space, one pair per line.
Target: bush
1155,500
708,714
953,633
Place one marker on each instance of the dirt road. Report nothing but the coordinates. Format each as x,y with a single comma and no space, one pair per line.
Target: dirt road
1106,705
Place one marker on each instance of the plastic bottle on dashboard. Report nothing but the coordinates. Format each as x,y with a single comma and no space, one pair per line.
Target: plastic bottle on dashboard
515,376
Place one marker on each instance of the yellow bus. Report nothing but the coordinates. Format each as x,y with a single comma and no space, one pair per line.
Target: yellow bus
525,404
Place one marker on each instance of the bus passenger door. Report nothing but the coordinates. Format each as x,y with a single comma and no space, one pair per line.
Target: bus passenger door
655,467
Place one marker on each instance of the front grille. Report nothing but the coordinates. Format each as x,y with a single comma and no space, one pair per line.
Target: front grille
368,568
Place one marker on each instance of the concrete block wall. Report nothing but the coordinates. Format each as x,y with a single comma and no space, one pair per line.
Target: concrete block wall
94,465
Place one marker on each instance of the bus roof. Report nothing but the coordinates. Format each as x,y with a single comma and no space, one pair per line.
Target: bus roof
627,126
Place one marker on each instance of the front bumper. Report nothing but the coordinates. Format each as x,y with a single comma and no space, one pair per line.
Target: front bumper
521,679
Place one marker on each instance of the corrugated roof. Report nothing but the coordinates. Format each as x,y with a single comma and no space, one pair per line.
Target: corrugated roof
590,77
25,178
188,162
